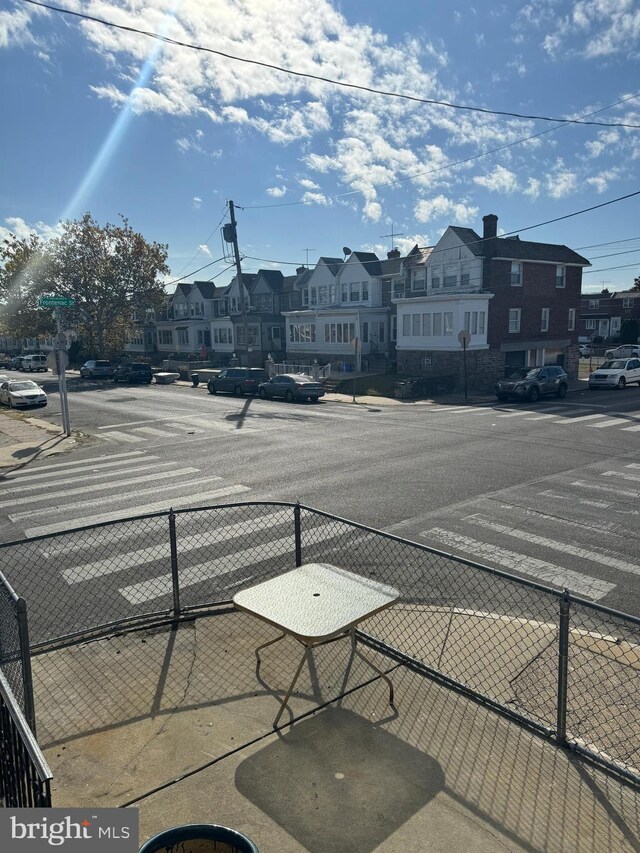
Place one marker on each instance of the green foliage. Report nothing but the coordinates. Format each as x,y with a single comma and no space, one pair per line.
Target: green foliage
110,271
630,331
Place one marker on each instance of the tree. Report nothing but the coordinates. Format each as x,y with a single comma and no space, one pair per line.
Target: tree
630,331
23,278
110,272
636,284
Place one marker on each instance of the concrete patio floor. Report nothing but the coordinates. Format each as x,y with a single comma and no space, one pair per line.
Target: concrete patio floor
174,721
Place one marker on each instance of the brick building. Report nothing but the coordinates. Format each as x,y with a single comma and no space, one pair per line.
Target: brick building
602,314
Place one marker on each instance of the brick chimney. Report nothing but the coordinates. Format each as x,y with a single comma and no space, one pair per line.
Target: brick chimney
300,270
490,222
394,253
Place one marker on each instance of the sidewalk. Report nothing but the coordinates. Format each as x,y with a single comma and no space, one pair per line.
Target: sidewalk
25,439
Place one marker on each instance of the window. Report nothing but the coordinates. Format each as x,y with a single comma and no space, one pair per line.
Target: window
345,292
544,320
406,325
426,325
253,336
313,296
627,302
437,325
381,332
420,281
590,324
514,319
435,278
516,274
448,322
415,325
394,328
572,319
222,336
561,273
465,279
323,295
337,333
365,291
305,296
183,337
594,303
241,337
302,333
274,333
365,333
354,292
450,277
474,322
136,338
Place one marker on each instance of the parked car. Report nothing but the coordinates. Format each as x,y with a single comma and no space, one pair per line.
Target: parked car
135,371
96,369
530,383
15,363
586,350
5,361
20,393
292,386
624,351
615,373
238,380
34,362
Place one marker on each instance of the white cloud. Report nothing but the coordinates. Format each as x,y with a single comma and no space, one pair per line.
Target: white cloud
533,188
307,184
316,198
16,225
441,207
596,28
276,192
501,180
600,182
204,249
197,201
560,181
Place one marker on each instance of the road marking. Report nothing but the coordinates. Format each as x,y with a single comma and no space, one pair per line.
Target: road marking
549,573
129,424
109,499
541,417
163,433
620,492
135,559
185,427
579,420
159,506
101,460
125,437
49,496
514,414
631,429
27,487
610,422
245,559
584,554
622,474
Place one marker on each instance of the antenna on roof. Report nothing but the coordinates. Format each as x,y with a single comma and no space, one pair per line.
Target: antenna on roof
392,235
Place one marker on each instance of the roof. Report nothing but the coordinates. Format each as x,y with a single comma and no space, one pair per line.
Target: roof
469,237
418,255
334,264
369,261
390,266
274,278
206,288
522,250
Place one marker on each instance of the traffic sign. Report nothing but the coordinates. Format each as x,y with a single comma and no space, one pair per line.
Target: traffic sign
56,302
57,361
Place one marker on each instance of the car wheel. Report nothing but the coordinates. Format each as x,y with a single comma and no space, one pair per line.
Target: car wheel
534,395
562,391
621,383
262,394
211,389
289,397
238,391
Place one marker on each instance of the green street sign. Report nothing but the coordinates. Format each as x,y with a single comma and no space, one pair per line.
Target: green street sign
56,302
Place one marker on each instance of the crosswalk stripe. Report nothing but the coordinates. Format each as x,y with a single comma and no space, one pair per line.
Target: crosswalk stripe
116,435
580,419
549,573
49,496
184,427
610,422
103,461
622,474
109,499
245,559
631,428
564,547
163,433
618,492
158,506
541,417
30,486
135,559
514,414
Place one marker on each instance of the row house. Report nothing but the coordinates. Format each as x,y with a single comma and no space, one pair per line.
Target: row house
602,314
185,325
518,300
344,313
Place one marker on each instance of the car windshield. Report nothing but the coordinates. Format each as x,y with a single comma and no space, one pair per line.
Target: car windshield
524,373
616,364
103,364
27,385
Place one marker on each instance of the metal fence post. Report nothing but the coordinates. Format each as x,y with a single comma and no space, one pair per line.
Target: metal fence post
297,534
174,562
563,668
25,659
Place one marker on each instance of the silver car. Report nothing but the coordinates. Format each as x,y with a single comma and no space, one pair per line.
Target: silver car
18,394
615,374
292,386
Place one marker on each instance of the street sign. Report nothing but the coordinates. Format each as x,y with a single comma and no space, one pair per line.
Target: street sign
464,337
52,361
56,302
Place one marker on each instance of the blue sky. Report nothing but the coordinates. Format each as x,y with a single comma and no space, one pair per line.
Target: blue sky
112,122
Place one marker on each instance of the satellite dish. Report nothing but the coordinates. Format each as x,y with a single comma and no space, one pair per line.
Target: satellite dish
346,250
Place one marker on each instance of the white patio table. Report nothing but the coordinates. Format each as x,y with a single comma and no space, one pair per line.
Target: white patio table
316,603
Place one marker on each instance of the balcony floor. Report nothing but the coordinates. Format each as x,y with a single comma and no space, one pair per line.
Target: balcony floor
177,721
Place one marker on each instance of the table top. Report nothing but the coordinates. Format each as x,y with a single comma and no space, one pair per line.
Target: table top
316,601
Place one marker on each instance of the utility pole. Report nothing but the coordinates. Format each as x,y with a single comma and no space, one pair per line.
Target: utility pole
234,240
61,356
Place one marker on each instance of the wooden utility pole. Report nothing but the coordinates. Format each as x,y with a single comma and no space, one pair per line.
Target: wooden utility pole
236,253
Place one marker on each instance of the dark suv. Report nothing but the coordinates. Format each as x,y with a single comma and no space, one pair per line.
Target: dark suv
135,371
238,380
530,383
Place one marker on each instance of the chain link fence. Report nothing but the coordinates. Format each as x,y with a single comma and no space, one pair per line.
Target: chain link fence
565,666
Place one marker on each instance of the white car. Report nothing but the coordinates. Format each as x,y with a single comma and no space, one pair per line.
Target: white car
585,351
615,373
624,351
20,393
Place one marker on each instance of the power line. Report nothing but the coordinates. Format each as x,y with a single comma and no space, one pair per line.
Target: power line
343,84
224,213
193,272
609,243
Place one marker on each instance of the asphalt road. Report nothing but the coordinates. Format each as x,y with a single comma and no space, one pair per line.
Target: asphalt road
549,491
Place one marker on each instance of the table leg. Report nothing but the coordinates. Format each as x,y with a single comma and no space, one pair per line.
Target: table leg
293,684
268,643
355,651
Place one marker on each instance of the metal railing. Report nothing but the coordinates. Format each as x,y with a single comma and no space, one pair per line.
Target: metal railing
564,666
25,777
314,370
